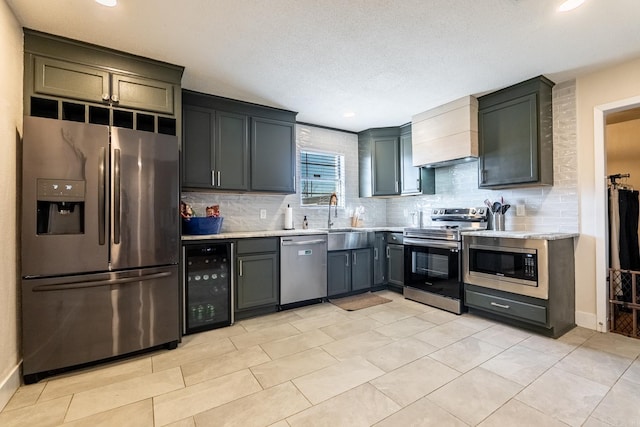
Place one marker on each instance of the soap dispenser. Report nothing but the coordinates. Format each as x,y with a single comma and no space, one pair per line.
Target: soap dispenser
305,223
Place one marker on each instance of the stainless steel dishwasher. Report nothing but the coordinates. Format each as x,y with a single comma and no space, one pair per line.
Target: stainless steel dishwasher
303,268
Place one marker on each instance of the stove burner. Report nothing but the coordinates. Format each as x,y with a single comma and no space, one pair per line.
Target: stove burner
448,223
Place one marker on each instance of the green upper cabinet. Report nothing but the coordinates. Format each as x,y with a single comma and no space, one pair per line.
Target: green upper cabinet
86,83
515,142
230,145
215,149
273,155
71,80
385,164
197,147
410,175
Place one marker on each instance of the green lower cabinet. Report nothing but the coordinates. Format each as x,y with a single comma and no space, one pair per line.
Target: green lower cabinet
379,260
257,281
338,272
349,271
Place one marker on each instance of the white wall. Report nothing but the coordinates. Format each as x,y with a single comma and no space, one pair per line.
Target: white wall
623,150
610,86
11,71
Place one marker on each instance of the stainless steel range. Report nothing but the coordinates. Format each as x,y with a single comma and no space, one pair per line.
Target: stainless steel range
433,257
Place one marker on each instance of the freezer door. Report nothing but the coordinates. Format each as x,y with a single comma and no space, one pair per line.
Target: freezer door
64,170
144,199
73,320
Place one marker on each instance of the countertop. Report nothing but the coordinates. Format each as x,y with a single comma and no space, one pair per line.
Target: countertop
521,234
281,233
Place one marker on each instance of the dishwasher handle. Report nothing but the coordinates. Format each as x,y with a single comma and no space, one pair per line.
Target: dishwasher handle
290,242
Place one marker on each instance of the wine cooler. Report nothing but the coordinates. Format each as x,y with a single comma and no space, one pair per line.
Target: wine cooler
208,287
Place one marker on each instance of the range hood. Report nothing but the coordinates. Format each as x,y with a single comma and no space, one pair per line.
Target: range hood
447,134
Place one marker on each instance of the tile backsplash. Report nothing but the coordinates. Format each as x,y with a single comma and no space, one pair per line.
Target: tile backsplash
547,209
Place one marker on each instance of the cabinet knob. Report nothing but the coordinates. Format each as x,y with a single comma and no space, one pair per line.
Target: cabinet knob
115,98
105,96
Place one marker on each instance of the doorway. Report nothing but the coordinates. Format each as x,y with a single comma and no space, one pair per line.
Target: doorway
613,112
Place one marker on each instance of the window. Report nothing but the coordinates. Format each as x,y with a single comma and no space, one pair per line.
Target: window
321,175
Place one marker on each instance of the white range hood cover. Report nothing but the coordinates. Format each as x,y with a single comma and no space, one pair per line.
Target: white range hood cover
447,134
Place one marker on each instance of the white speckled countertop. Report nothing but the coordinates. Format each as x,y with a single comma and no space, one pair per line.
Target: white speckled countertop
280,233
521,234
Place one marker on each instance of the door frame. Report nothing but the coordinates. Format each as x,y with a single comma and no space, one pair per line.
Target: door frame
601,210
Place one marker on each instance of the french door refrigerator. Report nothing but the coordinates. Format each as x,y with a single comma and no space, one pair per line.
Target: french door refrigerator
100,243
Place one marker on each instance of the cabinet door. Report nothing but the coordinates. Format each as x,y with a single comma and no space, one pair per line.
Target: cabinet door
338,272
361,269
273,154
232,151
386,165
379,260
257,281
70,80
197,147
142,94
508,143
410,179
395,259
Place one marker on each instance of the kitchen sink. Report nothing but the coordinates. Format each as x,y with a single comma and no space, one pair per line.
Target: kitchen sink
344,239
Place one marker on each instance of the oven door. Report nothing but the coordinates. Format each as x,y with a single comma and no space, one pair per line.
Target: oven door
433,266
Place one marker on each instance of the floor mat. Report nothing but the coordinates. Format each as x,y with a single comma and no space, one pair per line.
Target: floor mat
357,302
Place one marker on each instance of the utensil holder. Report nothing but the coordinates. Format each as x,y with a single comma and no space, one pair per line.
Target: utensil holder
498,221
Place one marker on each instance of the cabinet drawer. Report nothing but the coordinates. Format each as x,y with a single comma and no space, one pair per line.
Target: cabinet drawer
520,310
248,246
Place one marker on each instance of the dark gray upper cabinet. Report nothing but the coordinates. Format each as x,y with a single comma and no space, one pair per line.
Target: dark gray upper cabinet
386,170
410,175
197,146
273,155
235,146
385,164
515,140
215,149
68,69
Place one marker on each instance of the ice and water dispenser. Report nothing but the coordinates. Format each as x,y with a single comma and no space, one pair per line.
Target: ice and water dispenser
60,207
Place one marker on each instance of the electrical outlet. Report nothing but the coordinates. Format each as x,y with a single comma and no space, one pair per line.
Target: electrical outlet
263,214
520,210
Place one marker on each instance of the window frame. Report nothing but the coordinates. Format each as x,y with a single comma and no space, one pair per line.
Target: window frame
340,183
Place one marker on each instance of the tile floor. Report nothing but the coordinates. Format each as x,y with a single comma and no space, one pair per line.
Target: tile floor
396,364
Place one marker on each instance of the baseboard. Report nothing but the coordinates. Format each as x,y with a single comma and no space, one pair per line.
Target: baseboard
9,386
587,320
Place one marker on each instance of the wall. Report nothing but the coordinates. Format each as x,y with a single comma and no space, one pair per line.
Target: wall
241,212
608,86
11,54
623,150
553,209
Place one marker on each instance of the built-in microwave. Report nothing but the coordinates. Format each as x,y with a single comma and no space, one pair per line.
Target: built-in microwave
513,265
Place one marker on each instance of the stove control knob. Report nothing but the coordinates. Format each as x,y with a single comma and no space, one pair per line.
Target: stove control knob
473,211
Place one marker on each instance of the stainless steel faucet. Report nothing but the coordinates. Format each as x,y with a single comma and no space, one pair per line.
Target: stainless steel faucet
333,200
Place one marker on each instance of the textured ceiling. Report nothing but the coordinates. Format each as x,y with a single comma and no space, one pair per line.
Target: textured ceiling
383,60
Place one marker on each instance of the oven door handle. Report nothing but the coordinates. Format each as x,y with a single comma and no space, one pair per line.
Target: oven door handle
440,244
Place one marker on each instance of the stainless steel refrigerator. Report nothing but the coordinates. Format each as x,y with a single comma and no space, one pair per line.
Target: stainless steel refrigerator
100,243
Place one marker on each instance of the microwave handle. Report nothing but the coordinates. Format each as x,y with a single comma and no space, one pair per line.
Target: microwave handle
503,249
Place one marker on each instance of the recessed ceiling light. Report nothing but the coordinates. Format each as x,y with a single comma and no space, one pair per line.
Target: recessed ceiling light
110,3
348,114
569,5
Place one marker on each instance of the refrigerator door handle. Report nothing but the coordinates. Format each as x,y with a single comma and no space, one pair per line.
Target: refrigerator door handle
102,173
102,282
116,196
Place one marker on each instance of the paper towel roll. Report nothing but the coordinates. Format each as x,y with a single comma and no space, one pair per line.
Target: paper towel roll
288,218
